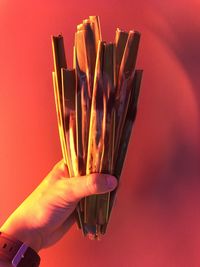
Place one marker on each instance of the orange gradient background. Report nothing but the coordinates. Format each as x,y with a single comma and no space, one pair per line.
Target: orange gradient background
156,218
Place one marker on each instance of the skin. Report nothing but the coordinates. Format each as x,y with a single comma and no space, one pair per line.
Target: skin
47,213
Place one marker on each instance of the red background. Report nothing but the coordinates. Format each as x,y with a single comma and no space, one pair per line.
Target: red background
156,218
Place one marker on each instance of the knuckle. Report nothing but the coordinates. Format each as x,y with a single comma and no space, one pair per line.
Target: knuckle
60,170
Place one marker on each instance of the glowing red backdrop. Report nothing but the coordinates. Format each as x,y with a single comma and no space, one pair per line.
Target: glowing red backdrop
156,218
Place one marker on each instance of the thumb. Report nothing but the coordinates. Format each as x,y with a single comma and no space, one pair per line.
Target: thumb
97,183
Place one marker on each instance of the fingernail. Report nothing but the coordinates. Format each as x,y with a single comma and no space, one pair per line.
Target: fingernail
111,182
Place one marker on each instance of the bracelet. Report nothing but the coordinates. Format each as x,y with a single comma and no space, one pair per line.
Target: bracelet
17,253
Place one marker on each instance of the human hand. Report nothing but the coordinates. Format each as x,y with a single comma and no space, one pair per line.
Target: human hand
47,213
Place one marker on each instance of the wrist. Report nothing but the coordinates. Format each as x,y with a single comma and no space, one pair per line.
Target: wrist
23,233
16,253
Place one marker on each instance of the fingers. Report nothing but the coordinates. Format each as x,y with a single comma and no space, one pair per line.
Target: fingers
61,169
78,187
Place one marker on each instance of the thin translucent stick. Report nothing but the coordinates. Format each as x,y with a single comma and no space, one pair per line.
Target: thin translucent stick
100,149
85,49
126,133
60,121
125,80
120,41
68,93
59,63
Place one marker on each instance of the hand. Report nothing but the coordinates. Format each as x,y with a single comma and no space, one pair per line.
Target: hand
47,213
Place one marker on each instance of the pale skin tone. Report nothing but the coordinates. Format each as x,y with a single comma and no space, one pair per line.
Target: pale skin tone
47,213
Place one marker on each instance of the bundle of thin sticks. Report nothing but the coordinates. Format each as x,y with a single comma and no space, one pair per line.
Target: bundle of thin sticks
96,105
